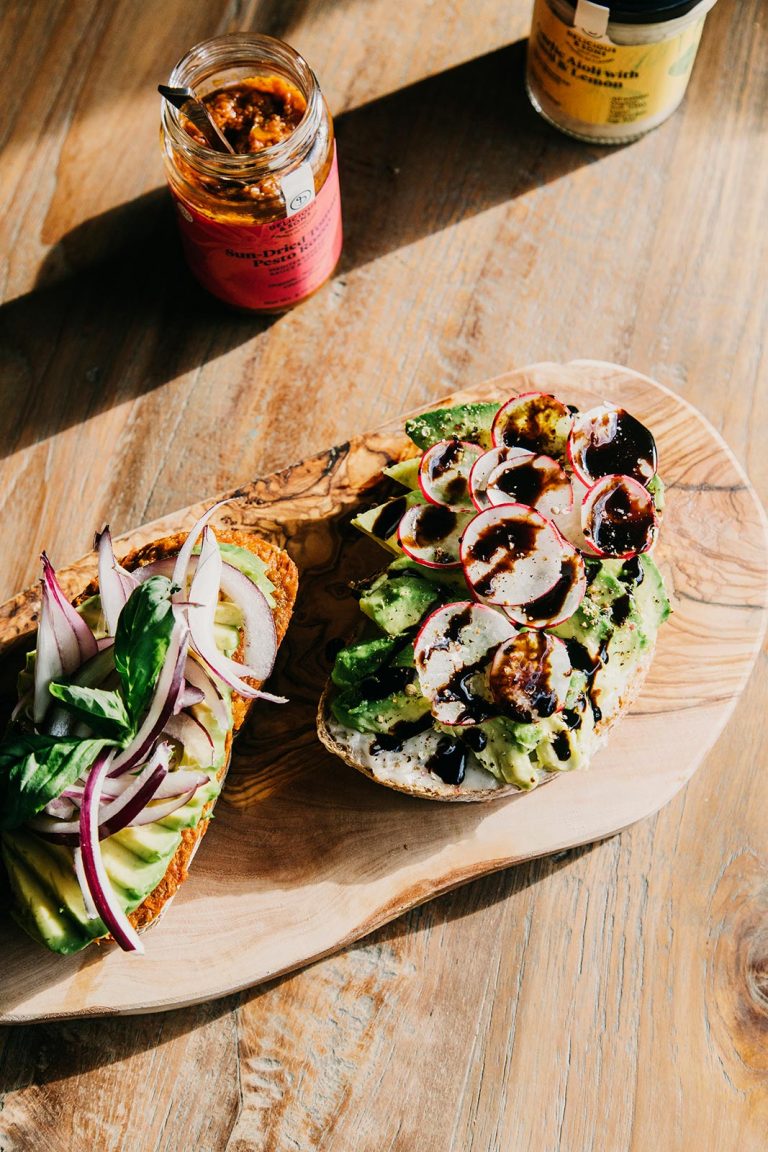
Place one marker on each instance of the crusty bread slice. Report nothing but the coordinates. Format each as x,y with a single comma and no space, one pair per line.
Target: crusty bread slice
421,782
283,574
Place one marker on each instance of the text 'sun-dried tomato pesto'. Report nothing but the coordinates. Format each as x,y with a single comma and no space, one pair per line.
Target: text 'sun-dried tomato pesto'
261,226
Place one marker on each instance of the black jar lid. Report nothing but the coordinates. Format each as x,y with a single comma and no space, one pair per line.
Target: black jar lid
645,11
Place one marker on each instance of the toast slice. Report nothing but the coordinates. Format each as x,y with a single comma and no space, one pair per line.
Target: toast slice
47,901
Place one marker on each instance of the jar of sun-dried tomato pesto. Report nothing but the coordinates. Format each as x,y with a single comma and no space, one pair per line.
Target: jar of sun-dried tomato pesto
261,226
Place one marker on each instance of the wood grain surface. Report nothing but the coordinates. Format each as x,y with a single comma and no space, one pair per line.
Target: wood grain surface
612,999
304,856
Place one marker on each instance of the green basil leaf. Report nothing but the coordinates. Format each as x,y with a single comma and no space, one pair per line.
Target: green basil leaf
141,642
102,710
35,769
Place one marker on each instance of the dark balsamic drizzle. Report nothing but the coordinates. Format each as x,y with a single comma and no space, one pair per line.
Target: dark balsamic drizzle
581,660
524,483
434,524
632,572
631,451
449,760
513,538
620,522
550,604
620,609
404,729
386,682
388,518
561,746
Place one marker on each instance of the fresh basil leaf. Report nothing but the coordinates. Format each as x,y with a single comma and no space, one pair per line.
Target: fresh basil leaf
141,642
102,710
35,769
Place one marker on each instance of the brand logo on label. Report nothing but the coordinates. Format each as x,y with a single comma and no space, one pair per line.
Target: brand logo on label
300,200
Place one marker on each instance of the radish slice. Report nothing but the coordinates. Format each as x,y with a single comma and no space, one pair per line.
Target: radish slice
536,421
537,481
115,584
560,603
97,882
485,465
64,640
607,441
444,471
530,676
619,518
568,521
431,534
453,654
511,554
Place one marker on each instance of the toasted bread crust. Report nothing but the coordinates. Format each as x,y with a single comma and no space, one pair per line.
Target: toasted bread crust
283,574
433,789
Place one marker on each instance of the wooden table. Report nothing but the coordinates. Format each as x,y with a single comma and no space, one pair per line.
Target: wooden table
613,999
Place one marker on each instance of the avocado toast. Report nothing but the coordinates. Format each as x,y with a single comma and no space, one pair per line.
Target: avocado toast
119,746
518,618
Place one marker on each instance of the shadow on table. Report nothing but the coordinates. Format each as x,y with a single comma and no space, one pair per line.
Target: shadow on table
116,315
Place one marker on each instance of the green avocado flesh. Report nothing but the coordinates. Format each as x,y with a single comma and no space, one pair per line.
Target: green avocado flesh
47,901
609,638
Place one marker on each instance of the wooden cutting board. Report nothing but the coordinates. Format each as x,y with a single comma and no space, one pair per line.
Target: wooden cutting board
305,855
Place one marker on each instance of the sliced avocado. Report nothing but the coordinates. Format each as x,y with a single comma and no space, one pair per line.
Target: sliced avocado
508,752
378,716
38,911
466,421
399,603
132,877
405,472
250,565
150,842
362,659
382,522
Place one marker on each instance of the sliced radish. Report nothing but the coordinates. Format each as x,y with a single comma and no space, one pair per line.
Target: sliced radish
511,554
560,603
453,653
619,518
444,471
487,463
537,481
536,421
530,676
607,441
568,521
431,534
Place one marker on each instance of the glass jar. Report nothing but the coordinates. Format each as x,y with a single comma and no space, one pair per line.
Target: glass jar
610,72
261,230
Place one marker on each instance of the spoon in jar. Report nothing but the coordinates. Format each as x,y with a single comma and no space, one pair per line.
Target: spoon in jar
195,111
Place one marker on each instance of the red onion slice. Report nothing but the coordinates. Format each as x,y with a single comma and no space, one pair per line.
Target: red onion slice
189,697
203,596
160,811
259,633
64,640
190,732
91,910
179,576
170,685
97,881
200,678
115,584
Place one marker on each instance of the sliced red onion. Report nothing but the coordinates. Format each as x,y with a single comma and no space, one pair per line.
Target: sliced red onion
170,685
189,697
91,910
200,678
179,576
180,782
115,584
187,729
259,633
160,811
204,595
64,640
96,878
119,811
61,808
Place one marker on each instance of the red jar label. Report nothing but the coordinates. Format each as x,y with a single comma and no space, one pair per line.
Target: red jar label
271,265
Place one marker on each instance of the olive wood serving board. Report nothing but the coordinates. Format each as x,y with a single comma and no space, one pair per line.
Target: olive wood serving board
305,855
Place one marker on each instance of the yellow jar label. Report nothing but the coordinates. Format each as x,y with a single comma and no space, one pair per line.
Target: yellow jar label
598,82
